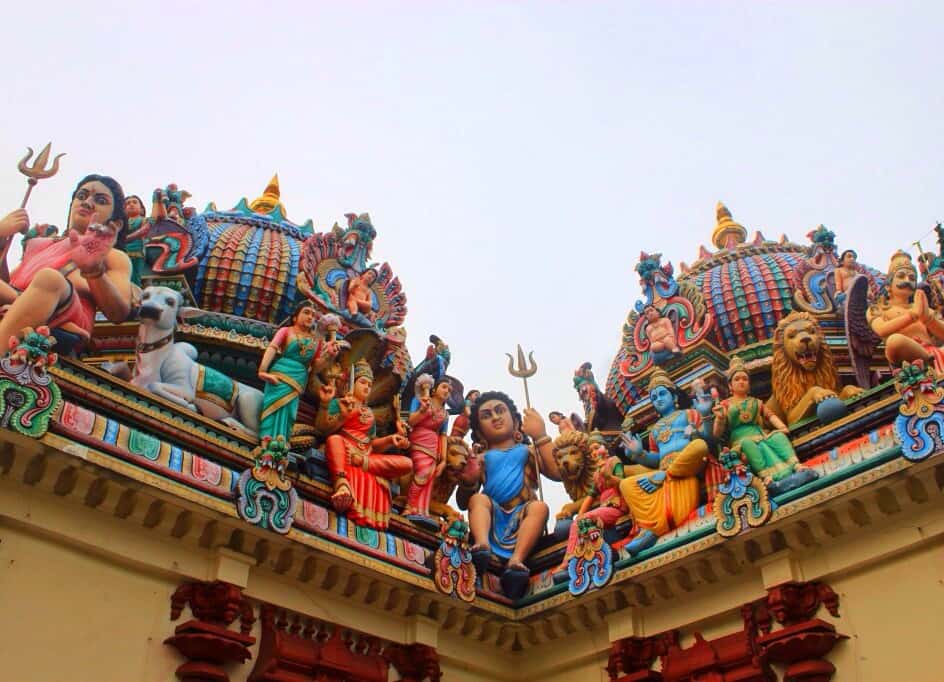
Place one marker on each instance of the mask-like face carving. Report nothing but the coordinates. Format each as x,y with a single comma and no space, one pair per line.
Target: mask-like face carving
92,203
496,421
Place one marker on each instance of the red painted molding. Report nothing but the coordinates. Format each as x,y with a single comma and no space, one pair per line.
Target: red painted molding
800,645
205,641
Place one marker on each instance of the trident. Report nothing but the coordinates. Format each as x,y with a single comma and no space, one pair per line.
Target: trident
34,173
38,170
527,368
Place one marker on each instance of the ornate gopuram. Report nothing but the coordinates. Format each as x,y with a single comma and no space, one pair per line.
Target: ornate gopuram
218,461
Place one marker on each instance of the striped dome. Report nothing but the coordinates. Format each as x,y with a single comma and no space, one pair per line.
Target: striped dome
250,265
748,289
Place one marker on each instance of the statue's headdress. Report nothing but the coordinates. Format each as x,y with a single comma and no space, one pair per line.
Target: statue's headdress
660,377
736,365
899,260
362,368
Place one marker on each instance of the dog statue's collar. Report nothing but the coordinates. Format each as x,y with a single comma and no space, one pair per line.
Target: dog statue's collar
154,345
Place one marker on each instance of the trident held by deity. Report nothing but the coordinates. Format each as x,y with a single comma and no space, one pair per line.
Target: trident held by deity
523,370
34,173
527,368
38,171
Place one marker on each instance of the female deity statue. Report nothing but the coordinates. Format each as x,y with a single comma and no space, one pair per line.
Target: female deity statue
285,367
360,473
460,425
603,503
427,420
663,498
138,228
742,420
506,518
62,281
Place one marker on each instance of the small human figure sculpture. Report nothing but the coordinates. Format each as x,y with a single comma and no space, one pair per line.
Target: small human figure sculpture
904,319
138,228
663,498
63,281
285,366
603,503
563,424
506,518
460,425
661,333
741,420
844,274
427,420
360,472
359,295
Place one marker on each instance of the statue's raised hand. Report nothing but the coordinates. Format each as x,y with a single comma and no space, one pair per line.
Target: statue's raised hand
632,444
326,393
532,424
651,483
91,248
14,222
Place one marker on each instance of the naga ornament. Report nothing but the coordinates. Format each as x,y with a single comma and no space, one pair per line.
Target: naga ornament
920,421
592,562
264,494
28,395
742,502
453,570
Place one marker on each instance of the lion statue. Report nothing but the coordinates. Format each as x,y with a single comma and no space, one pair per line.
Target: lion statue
803,373
461,467
577,459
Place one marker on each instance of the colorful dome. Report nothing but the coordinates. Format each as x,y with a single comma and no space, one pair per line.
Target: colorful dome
250,264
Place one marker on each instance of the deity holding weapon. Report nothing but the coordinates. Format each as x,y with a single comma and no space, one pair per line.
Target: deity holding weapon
63,281
506,517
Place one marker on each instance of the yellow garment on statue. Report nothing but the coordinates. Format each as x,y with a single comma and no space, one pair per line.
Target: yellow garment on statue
671,504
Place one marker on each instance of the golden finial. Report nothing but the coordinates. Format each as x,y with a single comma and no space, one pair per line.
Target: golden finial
269,200
727,233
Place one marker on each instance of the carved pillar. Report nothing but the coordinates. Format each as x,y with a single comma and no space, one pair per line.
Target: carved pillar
804,641
205,640
634,656
414,662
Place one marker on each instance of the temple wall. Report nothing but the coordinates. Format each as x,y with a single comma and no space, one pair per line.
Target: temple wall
86,594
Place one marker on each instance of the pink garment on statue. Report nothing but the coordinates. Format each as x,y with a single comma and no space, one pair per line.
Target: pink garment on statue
609,512
424,451
78,309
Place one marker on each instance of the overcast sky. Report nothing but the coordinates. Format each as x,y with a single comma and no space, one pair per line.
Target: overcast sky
514,157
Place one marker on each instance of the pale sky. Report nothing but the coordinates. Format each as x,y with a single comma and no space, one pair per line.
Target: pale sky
514,157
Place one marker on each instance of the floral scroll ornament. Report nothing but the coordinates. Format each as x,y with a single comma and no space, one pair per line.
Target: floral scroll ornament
742,501
592,562
28,395
264,495
920,421
453,570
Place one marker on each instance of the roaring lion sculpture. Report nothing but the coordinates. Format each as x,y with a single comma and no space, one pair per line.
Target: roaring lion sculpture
802,372
578,463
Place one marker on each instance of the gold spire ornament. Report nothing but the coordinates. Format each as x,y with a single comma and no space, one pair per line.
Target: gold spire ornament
270,199
727,233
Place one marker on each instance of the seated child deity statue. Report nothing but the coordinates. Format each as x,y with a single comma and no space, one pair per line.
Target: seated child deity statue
62,281
360,470
742,421
661,333
663,498
506,517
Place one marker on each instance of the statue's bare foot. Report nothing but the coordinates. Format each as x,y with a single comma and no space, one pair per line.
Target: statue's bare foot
343,498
